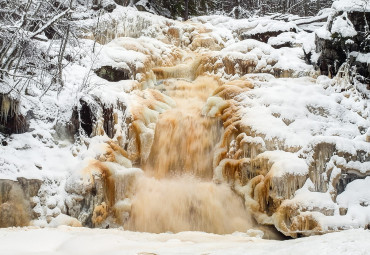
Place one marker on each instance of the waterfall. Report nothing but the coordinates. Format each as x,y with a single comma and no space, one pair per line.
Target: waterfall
177,192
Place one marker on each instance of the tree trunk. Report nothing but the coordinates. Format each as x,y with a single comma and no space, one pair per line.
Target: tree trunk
186,12
305,7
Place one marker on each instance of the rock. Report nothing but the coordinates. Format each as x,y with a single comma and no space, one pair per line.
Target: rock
113,74
263,36
51,203
15,206
337,41
35,214
85,195
109,7
13,214
66,130
332,55
122,2
11,121
100,214
87,112
30,187
295,202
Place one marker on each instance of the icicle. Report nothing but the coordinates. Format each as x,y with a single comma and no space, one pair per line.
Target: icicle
6,107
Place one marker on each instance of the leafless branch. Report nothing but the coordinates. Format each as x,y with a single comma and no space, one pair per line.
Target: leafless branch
49,23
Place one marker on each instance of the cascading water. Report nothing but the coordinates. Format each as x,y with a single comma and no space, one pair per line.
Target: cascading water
185,203
184,139
177,193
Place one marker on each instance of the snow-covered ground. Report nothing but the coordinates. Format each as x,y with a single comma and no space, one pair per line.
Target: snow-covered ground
81,241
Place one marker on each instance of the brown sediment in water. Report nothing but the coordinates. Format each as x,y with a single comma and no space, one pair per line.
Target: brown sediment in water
186,203
177,192
184,139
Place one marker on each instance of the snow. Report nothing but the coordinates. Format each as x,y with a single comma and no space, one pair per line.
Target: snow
343,26
286,61
248,45
110,94
284,163
323,33
45,158
245,27
65,220
352,5
126,52
313,199
286,37
287,117
339,23
67,240
356,193
299,109
295,115
322,14
361,57
268,26
355,199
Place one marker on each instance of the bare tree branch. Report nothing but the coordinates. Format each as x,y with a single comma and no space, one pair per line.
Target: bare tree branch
49,23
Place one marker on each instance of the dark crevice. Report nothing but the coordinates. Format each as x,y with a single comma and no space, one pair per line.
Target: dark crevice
11,121
87,118
108,121
113,74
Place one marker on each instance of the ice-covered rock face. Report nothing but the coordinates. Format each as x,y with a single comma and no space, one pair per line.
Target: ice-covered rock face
279,158
11,119
345,39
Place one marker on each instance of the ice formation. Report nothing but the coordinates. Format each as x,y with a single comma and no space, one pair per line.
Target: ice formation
194,126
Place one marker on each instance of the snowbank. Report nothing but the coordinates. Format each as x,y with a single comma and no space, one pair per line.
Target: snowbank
352,5
66,240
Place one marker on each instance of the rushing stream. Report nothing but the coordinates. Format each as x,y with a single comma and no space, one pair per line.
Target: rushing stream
177,192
